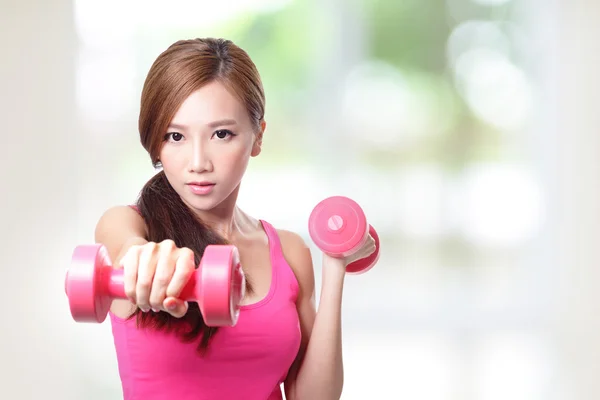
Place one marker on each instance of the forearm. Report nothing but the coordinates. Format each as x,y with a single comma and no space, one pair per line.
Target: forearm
321,374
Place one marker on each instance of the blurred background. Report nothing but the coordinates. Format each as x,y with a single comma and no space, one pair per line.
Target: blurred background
466,129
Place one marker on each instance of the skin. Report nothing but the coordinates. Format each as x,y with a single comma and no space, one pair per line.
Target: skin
211,138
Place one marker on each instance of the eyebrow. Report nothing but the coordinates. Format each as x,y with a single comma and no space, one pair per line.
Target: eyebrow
214,124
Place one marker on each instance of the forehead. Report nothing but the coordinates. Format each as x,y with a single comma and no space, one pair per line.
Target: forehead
211,102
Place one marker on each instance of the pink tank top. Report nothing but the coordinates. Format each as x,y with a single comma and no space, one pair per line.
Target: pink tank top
248,361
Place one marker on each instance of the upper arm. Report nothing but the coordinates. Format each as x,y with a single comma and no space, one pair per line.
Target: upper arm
299,257
118,229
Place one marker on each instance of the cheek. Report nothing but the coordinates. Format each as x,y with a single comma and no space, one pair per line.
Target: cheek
235,160
170,155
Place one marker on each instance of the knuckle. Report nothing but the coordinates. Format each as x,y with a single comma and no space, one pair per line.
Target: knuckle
143,285
128,258
156,303
188,268
142,303
164,269
130,262
167,260
130,292
185,252
162,280
168,244
128,270
130,251
134,248
150,247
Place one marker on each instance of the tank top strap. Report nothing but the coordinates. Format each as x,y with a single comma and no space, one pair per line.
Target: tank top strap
280,266
274,242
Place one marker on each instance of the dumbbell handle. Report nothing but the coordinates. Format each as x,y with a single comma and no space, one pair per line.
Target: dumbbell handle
113,281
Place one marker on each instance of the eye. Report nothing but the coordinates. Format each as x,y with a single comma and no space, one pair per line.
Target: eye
174,136
223,133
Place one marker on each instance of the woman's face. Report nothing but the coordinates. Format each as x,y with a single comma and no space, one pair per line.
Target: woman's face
207,147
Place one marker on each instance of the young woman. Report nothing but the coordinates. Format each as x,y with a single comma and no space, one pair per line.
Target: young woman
201,119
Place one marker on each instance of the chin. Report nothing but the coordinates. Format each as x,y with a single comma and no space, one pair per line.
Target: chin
202,203
208,202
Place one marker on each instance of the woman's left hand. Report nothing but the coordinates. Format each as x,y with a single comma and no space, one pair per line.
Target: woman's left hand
364,251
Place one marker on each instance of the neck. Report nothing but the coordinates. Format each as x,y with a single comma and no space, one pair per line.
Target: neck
224,219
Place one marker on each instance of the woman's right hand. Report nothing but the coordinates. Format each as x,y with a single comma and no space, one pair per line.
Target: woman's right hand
155,274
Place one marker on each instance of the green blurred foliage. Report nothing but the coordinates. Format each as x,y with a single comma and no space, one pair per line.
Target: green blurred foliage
409,34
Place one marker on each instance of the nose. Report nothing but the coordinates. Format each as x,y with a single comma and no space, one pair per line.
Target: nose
200,160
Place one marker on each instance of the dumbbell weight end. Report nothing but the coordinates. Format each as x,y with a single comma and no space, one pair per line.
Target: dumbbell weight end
338,226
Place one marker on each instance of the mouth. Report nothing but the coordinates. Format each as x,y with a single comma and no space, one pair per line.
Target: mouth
203,183
201,188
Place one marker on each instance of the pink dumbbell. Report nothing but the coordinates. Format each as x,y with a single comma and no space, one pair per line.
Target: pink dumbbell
338,227
217,285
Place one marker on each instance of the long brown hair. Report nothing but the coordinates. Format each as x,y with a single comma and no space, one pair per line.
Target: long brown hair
179,71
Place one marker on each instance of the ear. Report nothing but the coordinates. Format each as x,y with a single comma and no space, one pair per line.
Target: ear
256,147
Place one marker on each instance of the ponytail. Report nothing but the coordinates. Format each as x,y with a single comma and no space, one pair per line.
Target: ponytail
168,217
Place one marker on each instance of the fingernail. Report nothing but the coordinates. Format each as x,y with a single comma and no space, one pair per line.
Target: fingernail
155,310
172,306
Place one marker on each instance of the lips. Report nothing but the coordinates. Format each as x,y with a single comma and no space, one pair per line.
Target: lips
201,188
203,183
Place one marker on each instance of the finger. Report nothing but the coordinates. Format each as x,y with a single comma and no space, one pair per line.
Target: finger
175,307
369,248
370,245
165,266
370,240
146,269
129,263
184,268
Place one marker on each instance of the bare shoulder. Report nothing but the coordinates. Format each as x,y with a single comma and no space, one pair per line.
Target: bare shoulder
298,255
120,219
119,227
292,241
